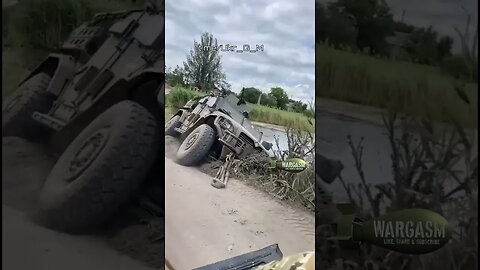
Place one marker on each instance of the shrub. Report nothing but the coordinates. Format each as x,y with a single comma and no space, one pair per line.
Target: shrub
179,96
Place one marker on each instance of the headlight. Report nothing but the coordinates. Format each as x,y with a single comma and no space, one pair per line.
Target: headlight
225,123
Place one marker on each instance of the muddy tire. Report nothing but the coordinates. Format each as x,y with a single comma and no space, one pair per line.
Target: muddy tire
17,113
170,126
100,170
196,145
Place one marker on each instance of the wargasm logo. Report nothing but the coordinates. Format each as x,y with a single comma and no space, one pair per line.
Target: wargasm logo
411,231
408,230
290,165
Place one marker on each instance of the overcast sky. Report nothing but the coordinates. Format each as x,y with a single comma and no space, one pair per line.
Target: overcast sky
285,28
441,14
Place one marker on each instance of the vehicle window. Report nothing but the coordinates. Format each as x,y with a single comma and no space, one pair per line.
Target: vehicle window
211,102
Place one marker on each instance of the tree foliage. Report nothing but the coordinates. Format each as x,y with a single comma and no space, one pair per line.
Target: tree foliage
298,106
426,47
366,25
175,77
372,19
203,67
251,94
334,28
280,96
268,100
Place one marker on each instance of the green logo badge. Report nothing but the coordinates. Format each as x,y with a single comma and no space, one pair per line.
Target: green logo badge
411,231
294,165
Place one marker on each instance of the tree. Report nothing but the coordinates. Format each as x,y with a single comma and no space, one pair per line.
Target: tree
320,21
372,19
280,96
298,106
336,28
251,94
403,27
175,77
203,68
425,46
268,100
341,31
444,47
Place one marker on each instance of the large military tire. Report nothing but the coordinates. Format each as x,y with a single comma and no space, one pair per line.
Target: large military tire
196,146
170,126
17,113
100,170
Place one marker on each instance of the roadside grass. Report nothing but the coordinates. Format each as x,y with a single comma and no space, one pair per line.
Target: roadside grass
259,113
405,87
168,113
296,189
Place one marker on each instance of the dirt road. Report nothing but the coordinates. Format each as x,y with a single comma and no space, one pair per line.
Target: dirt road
205,225
27,245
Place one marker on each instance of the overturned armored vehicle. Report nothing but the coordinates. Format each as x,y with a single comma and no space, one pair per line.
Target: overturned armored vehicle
97,102
215,125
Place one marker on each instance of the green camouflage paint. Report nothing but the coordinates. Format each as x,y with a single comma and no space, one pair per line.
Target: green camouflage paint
293,165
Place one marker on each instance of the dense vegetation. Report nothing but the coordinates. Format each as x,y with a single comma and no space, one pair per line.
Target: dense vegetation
368,26
356,61
259,113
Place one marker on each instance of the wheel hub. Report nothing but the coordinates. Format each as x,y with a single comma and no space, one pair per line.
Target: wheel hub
191,140
87,153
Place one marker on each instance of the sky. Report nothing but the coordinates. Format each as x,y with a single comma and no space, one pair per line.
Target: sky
441,14
285,28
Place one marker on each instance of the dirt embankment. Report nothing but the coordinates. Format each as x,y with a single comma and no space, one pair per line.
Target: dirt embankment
203,224
26,245
206,225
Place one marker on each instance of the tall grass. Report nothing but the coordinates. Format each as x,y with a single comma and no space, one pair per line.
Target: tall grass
259,113
33,28
274,116
406,87
179,96
46,23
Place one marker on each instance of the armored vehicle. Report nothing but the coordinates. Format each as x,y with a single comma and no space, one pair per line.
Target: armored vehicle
215,125
97,102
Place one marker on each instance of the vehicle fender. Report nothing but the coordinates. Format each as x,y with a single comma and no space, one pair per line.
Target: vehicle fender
156,72
215,116
212,120
60,67
182,113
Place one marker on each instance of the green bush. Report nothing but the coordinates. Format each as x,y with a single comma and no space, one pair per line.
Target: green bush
179,96
309,113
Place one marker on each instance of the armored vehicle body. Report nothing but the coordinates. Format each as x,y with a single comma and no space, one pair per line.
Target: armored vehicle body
215,125
97,102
